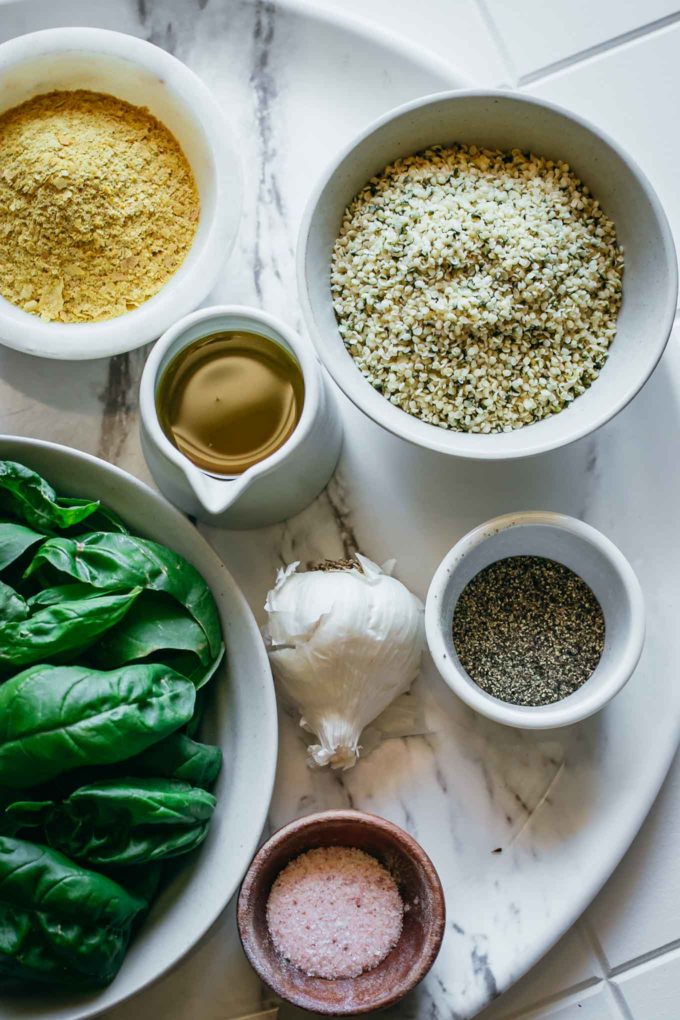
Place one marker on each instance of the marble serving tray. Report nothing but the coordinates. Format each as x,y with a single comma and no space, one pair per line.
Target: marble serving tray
524,828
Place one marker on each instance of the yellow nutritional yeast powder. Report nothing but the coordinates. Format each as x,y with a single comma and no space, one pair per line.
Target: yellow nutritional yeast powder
98,206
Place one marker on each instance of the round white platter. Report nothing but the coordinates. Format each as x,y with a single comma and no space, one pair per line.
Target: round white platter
524,828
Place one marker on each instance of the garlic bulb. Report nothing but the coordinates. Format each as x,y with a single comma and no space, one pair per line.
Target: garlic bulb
343,644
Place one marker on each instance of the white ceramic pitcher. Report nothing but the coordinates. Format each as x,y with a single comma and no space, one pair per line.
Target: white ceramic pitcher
280,485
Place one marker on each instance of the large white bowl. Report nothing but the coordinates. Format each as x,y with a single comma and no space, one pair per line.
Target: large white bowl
144,75
241,719
502,120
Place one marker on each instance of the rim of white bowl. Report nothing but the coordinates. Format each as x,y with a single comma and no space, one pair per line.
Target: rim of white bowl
190,284
399,423
559,713
372,32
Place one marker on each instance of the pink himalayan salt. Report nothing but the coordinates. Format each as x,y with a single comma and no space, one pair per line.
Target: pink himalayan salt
334,912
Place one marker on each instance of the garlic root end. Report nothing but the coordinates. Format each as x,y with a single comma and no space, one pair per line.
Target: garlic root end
340,757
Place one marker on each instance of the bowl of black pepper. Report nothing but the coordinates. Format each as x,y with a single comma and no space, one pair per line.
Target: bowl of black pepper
535,619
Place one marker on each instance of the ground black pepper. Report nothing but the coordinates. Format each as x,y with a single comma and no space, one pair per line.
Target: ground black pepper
528,630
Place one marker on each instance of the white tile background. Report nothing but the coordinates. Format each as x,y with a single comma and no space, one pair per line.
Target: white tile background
541,33
617,62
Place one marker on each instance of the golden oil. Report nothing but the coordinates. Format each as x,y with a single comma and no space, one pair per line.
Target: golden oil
229,400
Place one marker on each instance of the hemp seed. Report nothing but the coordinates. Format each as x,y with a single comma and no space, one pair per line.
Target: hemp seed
476,289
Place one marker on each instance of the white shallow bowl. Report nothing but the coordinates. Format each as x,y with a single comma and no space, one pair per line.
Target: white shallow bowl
144,75
242,720
589,554
503,120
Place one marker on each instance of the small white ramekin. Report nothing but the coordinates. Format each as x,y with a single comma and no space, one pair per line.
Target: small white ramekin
585,551
144,75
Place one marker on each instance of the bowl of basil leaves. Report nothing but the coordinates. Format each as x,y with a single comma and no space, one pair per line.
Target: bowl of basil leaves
137,756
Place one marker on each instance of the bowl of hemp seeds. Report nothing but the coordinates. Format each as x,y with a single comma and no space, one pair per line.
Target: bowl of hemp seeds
487,275
535,619
120,192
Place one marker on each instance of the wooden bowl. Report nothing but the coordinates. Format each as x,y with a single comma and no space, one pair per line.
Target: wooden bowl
420,889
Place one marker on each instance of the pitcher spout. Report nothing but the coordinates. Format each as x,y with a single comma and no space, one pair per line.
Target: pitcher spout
214,494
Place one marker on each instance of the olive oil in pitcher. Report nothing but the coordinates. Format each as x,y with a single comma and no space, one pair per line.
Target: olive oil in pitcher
230,400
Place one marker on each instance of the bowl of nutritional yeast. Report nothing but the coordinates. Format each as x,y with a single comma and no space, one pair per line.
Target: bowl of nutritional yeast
535,619
120,193
487,275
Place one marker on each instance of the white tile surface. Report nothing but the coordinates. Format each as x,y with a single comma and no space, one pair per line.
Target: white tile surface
537,33
570,964
593,1004
453,29
639,909
632,92
652,991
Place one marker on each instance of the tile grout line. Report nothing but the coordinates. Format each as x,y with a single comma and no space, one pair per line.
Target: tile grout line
639,961
597,50
590,935
499,42
608,972
552,1000
614,993
529,1011
616,996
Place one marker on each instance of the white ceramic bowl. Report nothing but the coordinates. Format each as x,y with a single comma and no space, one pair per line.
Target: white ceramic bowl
502,120
585,551
144,75
242,720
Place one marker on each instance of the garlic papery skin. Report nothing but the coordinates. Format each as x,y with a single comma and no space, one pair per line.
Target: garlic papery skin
343,644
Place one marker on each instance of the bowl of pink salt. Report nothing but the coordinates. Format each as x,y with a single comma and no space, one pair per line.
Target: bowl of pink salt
341,913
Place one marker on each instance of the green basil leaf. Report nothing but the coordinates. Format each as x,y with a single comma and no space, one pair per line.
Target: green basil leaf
174,757
200,678
15,539
9,826
178,757
30,498
195,724
29,814
130,821
154,624
142,881
60,923
118,562
103,518
189,666
62,593
12,605
61,630
57,718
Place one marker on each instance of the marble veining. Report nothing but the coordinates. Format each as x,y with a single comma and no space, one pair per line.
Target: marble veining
523,827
